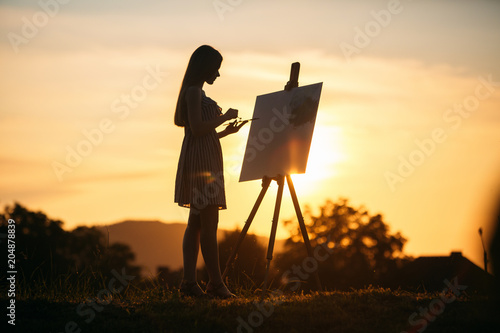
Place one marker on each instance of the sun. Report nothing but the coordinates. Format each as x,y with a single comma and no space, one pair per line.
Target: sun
324,156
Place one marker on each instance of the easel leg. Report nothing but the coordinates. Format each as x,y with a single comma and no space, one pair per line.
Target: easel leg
265,186
281,182
302,225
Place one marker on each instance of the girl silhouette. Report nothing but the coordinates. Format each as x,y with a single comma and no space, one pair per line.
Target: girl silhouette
199,184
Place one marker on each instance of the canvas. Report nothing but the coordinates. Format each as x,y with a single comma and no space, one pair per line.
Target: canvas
279,140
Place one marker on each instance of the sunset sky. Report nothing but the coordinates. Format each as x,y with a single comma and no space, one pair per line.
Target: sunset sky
408,123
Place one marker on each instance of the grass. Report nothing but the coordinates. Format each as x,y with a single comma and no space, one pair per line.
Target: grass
60,307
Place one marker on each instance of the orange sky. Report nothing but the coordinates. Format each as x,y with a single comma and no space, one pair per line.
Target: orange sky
408,122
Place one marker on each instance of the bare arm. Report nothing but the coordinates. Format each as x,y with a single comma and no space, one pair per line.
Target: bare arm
197,125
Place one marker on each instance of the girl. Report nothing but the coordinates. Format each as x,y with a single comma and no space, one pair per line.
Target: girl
199,184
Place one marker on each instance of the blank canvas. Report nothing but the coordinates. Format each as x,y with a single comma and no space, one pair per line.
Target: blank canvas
279,140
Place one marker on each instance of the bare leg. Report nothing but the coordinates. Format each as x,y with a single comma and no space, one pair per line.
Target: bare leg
208,240
191,246
210,251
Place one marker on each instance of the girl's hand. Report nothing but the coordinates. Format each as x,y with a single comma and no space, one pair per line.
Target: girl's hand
231,114
234,127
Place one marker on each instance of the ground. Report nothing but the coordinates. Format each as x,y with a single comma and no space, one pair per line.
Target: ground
165,310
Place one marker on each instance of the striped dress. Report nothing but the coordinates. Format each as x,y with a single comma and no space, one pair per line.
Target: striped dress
200,177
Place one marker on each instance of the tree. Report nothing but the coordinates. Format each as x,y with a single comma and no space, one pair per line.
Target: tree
352,248
40,242
89,248
45,251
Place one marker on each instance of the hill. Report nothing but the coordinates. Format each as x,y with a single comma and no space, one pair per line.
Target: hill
157,243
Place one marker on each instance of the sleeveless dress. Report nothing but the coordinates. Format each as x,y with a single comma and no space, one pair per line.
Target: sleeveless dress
200,176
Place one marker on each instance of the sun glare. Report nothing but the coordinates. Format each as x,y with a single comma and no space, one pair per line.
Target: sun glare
324,154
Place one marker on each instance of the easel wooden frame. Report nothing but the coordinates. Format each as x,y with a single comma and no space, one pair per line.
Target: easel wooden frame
266,181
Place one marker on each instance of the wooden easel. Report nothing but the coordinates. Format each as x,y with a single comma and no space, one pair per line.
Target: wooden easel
266,181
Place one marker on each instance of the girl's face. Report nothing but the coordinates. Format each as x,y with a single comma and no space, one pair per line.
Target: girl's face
212,77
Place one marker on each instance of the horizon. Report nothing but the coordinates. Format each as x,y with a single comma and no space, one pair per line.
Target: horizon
264,242
407,124
250,232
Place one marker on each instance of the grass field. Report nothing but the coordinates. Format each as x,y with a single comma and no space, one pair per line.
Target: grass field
160,309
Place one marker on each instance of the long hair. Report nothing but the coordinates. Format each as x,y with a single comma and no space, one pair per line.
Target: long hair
204,61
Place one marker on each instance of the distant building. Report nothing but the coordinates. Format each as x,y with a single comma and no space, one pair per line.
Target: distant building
429,274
